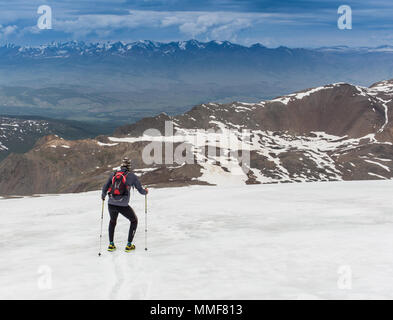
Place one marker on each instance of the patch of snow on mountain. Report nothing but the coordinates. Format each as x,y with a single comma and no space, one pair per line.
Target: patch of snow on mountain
379,164
106,144
216,175
376,175
299,95
3,147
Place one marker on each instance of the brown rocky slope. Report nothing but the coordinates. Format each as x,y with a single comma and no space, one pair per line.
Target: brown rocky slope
335,132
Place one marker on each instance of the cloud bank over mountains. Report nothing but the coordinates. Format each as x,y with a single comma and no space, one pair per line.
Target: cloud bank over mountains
273,23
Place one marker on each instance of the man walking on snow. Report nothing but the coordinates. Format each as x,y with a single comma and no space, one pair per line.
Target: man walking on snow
118,189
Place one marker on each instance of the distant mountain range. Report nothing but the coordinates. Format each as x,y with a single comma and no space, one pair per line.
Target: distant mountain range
128,81
147,47
328,133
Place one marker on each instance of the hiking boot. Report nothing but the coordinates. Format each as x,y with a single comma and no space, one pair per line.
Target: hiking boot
129,247
111,247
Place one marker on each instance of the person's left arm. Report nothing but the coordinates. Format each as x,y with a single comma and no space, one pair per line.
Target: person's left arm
137,184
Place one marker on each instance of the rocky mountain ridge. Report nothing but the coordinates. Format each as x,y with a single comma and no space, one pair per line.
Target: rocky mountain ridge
333,132
19,134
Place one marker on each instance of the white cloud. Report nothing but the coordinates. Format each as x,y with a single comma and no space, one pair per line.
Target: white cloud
5,31
214,25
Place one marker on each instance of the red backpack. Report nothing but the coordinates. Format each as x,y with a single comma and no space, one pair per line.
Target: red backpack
119,186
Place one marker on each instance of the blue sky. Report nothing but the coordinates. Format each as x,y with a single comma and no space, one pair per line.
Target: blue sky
273,23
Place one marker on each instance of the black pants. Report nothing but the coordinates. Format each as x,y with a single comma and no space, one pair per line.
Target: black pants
126,212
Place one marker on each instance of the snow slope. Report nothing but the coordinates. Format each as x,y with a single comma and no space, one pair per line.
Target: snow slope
250,242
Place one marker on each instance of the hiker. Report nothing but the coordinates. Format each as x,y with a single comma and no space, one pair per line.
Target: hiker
118,189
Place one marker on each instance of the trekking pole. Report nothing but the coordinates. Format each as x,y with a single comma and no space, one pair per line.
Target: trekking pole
145,222
102,219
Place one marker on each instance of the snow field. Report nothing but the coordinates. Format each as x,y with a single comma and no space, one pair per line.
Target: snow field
286,241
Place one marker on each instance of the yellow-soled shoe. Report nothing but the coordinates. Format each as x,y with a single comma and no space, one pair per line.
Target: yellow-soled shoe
111,247
130,247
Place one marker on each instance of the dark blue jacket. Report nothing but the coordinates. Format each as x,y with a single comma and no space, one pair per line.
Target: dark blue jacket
122,201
